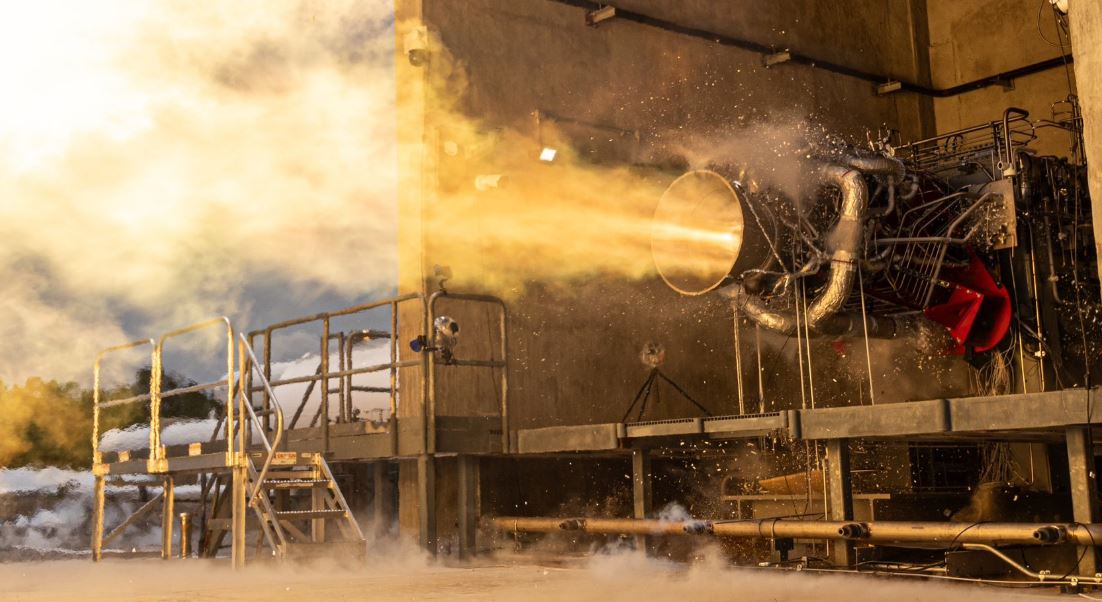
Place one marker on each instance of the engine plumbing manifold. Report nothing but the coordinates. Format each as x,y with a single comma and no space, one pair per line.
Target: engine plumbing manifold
793,267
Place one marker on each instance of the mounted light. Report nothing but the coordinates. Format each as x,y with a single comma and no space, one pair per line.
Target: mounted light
548,154
888,88
416,46
485,182
594,17
776,58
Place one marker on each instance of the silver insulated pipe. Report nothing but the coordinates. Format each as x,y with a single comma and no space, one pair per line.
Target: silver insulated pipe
695,259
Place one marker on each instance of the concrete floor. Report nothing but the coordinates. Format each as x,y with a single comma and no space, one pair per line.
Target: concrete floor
409,577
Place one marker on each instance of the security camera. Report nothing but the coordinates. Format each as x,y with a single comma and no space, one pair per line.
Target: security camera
416,45
446,327
447,335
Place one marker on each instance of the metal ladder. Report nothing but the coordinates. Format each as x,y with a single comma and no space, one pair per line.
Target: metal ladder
294,505
293,495
275,487
297,525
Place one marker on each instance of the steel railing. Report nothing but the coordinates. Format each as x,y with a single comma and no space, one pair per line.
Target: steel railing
248,363
156,395
346,341
501,363
97,403
323,375
249,368
248,358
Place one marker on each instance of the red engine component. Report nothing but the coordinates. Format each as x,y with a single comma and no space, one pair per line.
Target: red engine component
978,310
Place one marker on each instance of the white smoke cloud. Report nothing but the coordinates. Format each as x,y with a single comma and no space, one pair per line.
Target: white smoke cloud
158,159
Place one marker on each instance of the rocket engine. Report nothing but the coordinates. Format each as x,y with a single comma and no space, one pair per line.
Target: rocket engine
957,242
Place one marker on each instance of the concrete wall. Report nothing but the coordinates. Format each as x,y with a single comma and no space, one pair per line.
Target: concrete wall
973,40
1086,30
575,345
536,54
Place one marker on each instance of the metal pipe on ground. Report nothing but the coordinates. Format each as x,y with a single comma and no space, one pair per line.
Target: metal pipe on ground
949,534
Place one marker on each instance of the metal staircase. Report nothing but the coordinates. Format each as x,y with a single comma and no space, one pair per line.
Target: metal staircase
262,498
293,495
295,502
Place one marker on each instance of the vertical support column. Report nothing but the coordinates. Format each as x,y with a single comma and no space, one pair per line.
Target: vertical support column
267,377
324,382
1084,490
236,444
168,516
317,503
97,518
342,382
426,502
841,497
1085,19
383,495
240,481
185,535
641,490
468,505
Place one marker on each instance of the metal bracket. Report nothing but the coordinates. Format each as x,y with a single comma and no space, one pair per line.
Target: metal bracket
889,87
597,16
776,58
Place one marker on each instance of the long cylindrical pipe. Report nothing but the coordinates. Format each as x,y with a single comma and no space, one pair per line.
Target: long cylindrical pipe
945,533
877,165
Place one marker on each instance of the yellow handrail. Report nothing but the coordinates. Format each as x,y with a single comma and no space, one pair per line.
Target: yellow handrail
96,389
155,393
272,446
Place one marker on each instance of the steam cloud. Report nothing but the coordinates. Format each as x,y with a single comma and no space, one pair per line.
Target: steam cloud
168,161
159,158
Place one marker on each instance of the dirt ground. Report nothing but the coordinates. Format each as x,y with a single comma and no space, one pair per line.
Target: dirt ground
390,577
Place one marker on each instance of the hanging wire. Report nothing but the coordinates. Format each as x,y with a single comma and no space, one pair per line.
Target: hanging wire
807,335
1018,334
738,363
799,347
1040,28
761,383
1041,342
1063,32
865,324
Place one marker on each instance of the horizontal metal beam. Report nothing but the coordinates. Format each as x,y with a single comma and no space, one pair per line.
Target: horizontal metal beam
962,415
885,420
587,437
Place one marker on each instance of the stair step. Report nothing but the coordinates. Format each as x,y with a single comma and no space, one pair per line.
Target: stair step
289,474
354,549
225,524
295,483
309,514
284,459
